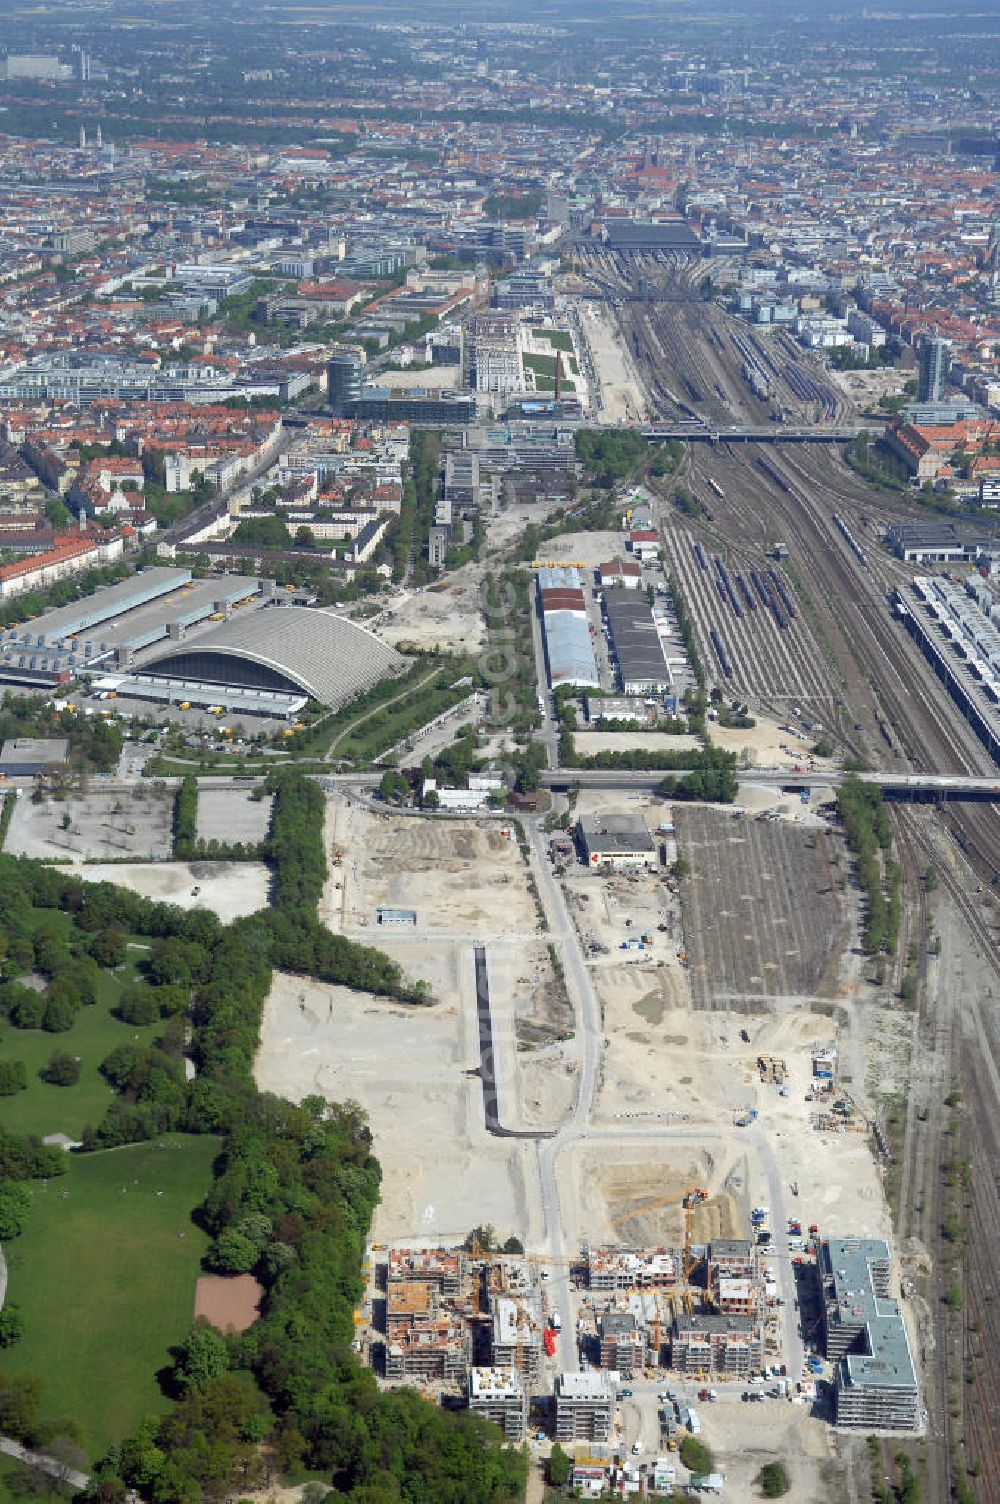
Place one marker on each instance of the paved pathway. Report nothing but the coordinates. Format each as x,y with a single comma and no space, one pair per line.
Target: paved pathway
51,1465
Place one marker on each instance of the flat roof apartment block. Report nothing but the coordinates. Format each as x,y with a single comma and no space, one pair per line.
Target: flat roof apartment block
444,1268
499,1395
630,1269
623,1344
516,1339
876,1381
425,1338
723,1345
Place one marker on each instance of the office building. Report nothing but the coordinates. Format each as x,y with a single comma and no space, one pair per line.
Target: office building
619,841
380,404
933,372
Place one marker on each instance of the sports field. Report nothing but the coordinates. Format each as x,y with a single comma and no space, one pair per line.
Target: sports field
104,1276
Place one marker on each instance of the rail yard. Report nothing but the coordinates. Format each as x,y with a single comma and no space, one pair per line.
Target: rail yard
886,706
764,920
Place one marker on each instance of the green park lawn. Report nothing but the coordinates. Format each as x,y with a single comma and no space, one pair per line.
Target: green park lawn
104,1277
545,365
559,339
44,1109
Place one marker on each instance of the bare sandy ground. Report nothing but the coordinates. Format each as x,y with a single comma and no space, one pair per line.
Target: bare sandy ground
408,1068
450,619
232,815
532,1019
675,1066
771,747
231,1303
746,1439
588,742
623,402
464,881
136,822
229,889
588,549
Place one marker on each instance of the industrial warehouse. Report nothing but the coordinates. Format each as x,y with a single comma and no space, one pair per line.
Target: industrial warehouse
164,637
568,643
107,629
636,646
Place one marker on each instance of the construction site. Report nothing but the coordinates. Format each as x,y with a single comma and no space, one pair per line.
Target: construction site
432,1313
723,1132
479,1324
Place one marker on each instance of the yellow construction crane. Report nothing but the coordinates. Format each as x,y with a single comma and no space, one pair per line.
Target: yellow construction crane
693,1197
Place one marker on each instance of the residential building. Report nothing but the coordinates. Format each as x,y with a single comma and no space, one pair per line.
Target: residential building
499,1395
515,1337
866,1336
628,1269
585,1406
731,1256
723,1346
622,1344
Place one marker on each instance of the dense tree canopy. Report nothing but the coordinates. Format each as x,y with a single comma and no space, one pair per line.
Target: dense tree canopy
291,1201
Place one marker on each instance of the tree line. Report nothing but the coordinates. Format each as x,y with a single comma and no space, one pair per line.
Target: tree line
291,1202
868,829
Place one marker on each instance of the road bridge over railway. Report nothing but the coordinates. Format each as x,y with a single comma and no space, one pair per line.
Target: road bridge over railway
701,433
913,788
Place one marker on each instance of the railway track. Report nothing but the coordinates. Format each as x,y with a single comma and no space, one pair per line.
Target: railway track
896,685
920,1209
770,666
907,690
977,1024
